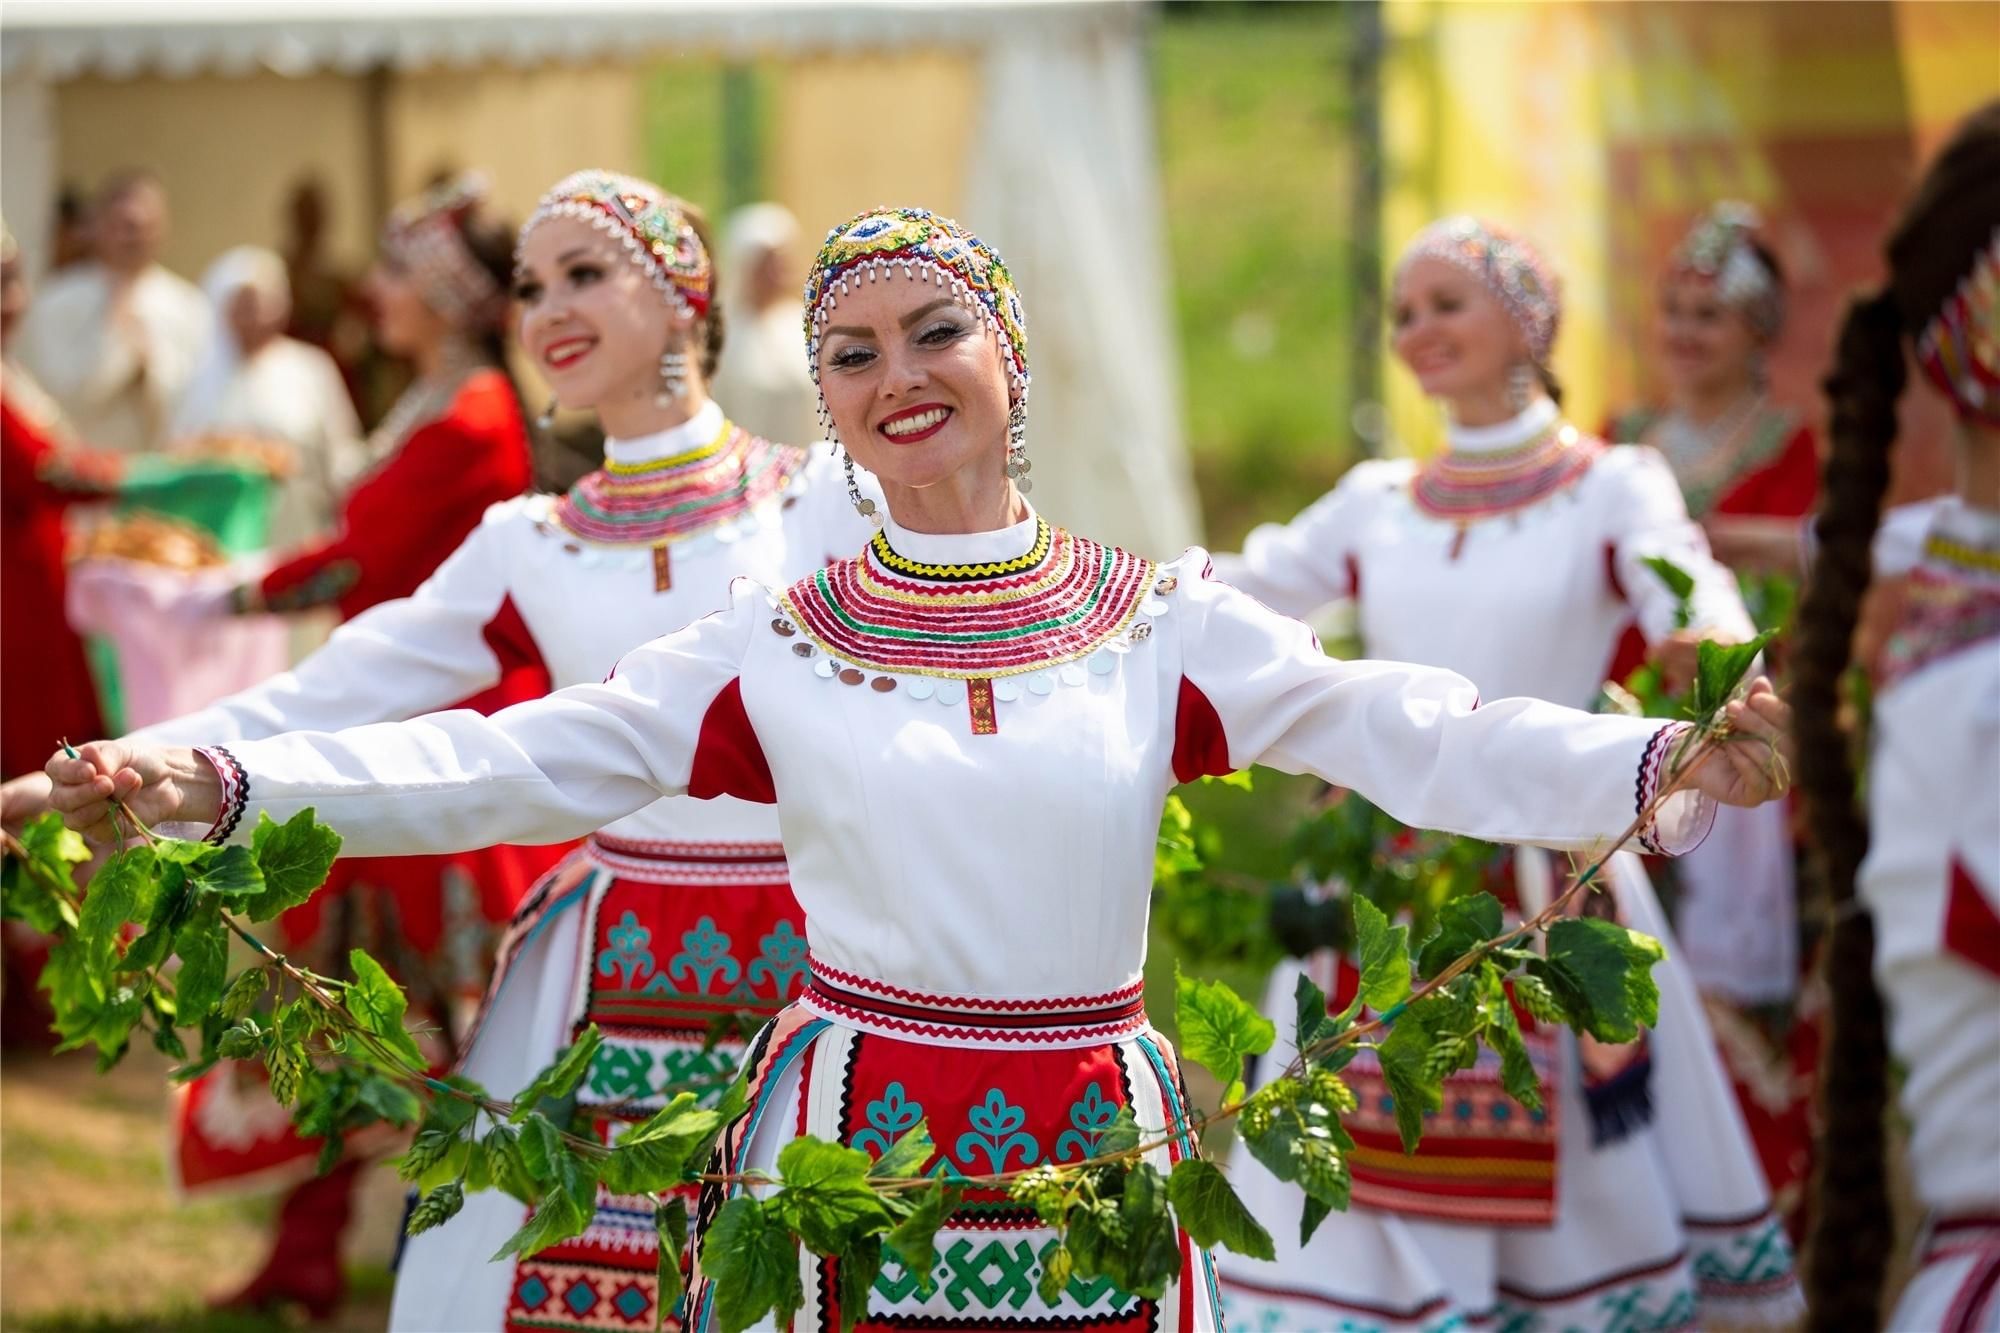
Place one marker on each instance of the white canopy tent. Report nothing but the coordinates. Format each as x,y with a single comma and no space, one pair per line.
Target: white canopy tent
1057,162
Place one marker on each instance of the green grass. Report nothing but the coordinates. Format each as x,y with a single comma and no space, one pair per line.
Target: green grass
1256,157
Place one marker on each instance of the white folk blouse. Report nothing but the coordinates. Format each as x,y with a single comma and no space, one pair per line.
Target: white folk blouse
968,739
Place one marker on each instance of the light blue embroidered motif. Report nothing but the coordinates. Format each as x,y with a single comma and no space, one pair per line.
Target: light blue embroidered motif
1090,1116
781,960
627,955
704,955
890,1116
999,1134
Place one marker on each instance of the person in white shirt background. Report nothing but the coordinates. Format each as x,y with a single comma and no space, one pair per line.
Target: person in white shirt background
764,378
114,340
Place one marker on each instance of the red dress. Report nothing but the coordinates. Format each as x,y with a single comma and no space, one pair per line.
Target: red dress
433,921
46,692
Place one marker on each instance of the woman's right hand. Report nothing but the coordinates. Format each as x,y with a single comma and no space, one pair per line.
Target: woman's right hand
153,783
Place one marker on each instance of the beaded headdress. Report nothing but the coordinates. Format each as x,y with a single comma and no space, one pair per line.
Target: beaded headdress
923,245
1506,265
426,238
1960,348
1718,249
653,226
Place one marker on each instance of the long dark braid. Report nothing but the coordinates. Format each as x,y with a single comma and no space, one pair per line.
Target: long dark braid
1948,220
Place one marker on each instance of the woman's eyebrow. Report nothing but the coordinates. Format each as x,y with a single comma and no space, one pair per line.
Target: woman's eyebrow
921,311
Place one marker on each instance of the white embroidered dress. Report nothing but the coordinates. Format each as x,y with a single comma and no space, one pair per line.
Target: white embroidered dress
1528,600
1932,884
704,878
969,786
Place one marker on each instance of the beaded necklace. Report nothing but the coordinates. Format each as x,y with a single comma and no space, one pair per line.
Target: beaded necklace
670,499
1952,600
1054,615
1464,487
1707,460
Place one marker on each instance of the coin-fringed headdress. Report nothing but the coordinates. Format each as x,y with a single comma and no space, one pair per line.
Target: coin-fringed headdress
1960,348
1506,265
425,237
920,245
654,228
1718,248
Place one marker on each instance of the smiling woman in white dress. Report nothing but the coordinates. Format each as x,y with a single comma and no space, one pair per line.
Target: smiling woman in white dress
1516,557
968,730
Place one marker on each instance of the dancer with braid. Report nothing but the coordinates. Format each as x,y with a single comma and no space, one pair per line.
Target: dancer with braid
1912,889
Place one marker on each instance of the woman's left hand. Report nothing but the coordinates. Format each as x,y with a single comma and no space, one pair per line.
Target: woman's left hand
1754,764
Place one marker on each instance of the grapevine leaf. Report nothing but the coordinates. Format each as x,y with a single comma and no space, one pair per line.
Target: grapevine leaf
1315,1213
755,1266
377,1002
170,897
31,892
330,1154
914,1239
1057,1267
1218,1027
1129,1238
1384,957
293,857
907,1156
558,1079
1463,924
1121,1135
1679,582
1210,1211
860,1264
670,1229
827,1197
1405,1060
1601,974
123,891
390,1101
541,1148
1314,1023
438,1207
168,1043
1517,1072
203,946
653,1155
558,1218
1719,668
53,845
231,874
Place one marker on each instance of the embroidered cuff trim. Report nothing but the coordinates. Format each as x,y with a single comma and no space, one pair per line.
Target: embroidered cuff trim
235,792
1653,768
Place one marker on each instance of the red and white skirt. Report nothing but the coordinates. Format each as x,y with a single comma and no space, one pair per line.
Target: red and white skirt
1003,1084
653,942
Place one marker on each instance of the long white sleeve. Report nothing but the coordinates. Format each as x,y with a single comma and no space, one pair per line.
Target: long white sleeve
1649,518
1417,741
395,660
545,771
1301,566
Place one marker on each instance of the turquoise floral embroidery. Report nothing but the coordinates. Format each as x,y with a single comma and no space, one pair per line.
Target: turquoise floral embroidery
627,955
620,1073
1091,1115
999,1134
782,960
890,1116
705,955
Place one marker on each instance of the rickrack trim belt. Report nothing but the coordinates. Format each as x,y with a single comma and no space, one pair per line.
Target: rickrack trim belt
967,1020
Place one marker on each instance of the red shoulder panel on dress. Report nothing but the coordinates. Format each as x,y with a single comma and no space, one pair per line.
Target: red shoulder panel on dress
1971,927
1201,747
728,758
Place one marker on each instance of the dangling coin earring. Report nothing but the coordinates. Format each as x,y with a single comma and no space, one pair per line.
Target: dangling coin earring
673,378
1521,386
862,504
1018,466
